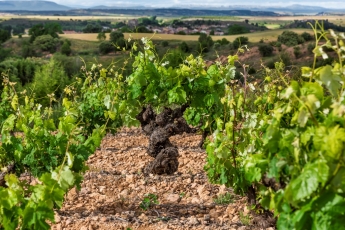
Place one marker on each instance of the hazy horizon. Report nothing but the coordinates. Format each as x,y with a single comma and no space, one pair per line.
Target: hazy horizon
212,3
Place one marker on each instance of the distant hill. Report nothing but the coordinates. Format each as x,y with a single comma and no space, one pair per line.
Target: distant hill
32,6
171,12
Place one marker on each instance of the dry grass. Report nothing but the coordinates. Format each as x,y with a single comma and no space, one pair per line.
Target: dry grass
253,37
337,19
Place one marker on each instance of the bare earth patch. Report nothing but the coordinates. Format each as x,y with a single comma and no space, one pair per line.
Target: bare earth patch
115,186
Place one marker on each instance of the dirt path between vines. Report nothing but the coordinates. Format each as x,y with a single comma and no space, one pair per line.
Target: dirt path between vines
114,187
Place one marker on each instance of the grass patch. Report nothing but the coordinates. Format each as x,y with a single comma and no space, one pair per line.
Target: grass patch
245,219
225,198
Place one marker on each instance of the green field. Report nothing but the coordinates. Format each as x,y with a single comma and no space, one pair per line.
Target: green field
269,35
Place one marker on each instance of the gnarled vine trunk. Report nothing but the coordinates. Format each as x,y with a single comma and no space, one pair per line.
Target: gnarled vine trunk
159,127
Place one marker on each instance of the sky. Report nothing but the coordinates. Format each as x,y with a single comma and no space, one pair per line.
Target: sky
161,3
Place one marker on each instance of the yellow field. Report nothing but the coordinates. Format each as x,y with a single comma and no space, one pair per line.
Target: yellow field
253,37
336,19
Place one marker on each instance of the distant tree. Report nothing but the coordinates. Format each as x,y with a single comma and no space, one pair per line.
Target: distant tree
205,42
265,49
66,48
246,21
52,28
4,35
290,38
106,47
224,41
101,36
311,47
184,47
297,51
46,43
175,57
4,53
93,28
28,51
237,29
307,36
212,32
115,36
239,41
165,43
181,32
142,29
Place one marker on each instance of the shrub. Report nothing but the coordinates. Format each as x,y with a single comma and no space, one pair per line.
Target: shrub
240,41
285,58
265,49
66,48
237,29
106,47
101,36
311,47
205,42
165,43
46,43
4,35
290,38
181,33
115,36
175,57
307,36
184,47
224,41
216,45
297,51
51,78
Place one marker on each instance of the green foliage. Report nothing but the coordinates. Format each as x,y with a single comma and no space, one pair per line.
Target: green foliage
245,219
66,48
46,43
51,28
205,42
50,79
307,36
297,51
148,201
4,53
175,57
285,141
106,47
237,29
184,47
311,47
240,41
142,29
222,199
4,35
21,69
101,36
265,49
71,64
224,41
165,43
117,39
93,28
290,38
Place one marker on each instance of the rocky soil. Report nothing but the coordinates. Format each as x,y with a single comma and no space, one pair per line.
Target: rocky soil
115,186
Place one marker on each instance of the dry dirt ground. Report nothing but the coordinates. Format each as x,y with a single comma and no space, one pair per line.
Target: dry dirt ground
114,187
